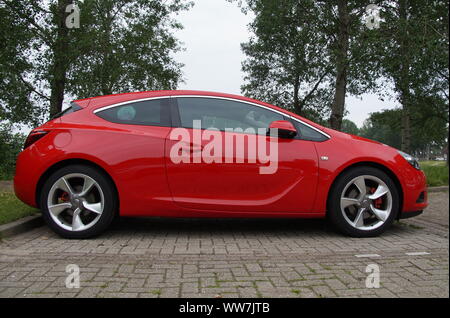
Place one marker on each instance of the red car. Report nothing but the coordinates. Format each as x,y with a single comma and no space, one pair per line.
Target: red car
114,155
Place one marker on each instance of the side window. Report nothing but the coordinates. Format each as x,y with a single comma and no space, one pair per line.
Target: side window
224,114
307,133
150,113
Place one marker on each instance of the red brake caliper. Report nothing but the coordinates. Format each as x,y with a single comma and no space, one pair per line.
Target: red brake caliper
377,202
64,197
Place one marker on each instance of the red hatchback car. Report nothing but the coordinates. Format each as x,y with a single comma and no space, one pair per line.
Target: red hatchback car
143,154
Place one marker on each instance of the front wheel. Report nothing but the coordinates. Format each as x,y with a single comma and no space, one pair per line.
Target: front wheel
78,202
364,202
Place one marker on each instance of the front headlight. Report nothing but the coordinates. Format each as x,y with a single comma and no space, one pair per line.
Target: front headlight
412,161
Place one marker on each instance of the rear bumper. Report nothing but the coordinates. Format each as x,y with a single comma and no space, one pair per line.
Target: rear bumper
28,170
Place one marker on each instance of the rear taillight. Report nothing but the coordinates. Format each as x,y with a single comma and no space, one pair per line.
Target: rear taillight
33,137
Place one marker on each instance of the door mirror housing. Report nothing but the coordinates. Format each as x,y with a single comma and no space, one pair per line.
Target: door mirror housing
282,129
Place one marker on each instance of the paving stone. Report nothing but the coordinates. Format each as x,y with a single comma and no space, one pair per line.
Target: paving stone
152,258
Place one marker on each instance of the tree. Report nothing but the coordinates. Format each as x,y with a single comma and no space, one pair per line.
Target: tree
428,136
337,108
415,33
349,127
48,54
384,127
60,55
430,125
120,45
307,55
286,62
353,70
126,45
19,98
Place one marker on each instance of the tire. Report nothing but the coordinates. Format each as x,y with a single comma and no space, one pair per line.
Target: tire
367,214
78,202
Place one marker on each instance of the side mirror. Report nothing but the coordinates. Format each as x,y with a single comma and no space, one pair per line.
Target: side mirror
282,129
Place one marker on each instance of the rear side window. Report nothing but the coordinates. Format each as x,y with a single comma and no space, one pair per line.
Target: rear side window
149,113
73,108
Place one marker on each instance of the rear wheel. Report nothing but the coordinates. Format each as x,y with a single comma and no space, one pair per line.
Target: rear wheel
78,202
364,202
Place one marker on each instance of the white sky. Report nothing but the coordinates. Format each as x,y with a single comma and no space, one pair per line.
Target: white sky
213,31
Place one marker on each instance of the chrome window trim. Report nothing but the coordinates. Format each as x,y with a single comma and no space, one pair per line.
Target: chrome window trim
129,102
212,97
258,105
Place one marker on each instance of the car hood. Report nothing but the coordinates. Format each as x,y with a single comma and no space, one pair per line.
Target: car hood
350,137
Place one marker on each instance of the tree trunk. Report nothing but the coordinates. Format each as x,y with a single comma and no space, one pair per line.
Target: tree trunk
106,54
406,122
337,108
60,59
444,151
297,104
404,78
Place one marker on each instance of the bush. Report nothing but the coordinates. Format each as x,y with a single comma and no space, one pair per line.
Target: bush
10,146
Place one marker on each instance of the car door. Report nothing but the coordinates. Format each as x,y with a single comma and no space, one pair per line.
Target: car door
235,181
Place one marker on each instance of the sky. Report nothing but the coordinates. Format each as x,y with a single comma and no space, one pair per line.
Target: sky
213,31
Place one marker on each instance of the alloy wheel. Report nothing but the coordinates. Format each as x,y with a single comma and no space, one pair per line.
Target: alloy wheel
75,202
366,202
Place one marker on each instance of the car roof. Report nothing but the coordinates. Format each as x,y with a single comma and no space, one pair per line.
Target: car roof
106,100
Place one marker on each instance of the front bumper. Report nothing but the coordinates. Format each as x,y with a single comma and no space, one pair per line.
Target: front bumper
407,215
415,196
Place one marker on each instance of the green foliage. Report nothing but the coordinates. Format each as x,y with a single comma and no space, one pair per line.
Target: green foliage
10,146
286,63
295,50
384,127
411,51
11,209
429,135
349,127
429,120
300,50
19,100
121,45
125,46
436,172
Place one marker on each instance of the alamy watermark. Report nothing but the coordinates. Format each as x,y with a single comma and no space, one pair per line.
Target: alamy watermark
373,279
73,279
372,17
233,146
73,17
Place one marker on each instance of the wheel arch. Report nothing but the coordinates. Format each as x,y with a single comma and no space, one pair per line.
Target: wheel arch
372,164
68,162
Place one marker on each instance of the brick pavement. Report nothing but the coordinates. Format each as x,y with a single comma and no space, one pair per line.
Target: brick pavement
232,258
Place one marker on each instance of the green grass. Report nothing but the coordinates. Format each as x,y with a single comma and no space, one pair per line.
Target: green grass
436,172
12,209
295,291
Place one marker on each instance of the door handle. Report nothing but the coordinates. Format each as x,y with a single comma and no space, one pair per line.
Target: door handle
193,148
